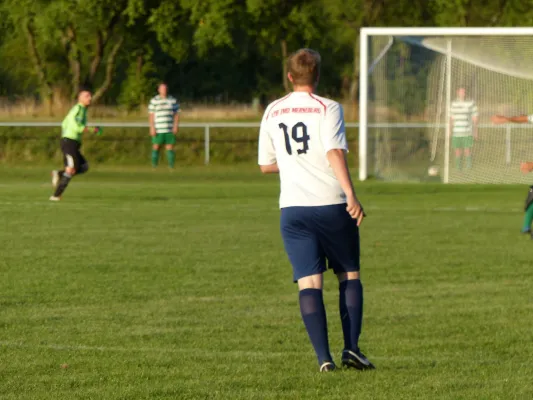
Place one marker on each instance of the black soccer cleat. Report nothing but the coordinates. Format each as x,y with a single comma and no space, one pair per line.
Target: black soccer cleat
328,366
356,359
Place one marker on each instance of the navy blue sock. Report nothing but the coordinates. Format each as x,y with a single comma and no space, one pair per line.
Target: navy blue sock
351,310
314,317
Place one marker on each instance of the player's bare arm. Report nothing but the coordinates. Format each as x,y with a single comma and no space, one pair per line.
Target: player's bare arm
475,120
151,119
93,129
269,169
339,164
175,126
501,119
526,166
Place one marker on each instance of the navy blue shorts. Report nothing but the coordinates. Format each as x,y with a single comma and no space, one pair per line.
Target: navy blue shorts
313,236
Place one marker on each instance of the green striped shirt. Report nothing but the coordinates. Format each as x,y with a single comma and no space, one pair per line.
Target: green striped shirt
463,112
164,110
74,123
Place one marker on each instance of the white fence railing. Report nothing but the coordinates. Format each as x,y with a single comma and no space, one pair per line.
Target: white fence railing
206,126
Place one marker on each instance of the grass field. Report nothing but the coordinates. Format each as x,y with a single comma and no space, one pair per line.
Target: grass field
173,285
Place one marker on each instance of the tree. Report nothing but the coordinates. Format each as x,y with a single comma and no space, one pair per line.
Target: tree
5,28
78,40
462,13
284,26
210,41
349,16
182,26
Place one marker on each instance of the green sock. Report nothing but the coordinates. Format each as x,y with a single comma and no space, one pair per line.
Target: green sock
171,156
155,158
528,218
469,161
458,162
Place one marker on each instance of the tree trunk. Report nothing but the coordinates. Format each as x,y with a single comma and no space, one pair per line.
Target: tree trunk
97,59
102,39
74,60
284,65
45,85
110,70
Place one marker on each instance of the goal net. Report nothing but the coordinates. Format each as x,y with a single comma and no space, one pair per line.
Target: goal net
427,99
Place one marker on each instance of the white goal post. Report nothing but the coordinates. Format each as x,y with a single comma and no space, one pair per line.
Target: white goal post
429,65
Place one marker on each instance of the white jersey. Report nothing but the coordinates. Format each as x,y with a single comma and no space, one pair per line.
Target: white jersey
463,113
164,110
296,132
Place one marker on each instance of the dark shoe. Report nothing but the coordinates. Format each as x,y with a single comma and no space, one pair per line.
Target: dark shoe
356,359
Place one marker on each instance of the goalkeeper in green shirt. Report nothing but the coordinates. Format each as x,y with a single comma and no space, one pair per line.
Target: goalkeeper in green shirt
525,167
73,127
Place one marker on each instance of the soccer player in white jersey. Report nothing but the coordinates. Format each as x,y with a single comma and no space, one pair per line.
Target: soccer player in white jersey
464,118
164,121
525,167
302,136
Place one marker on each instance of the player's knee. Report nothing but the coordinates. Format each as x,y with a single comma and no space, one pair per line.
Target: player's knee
310,282
348,276
71,171
155,147
169,147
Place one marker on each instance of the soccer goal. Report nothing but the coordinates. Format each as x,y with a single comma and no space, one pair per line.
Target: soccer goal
426,98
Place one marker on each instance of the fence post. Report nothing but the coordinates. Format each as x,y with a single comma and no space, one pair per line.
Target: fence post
508,144
206,144
376,152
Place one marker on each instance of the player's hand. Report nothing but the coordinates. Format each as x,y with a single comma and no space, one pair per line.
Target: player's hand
97,130
525,167
498,119
355,209
175,131
152,131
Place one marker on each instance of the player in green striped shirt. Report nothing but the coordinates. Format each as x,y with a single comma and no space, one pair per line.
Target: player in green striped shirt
72,128
164,119
464,117
525,167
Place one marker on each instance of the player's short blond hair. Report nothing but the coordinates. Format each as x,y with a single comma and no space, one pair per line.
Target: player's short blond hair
304,67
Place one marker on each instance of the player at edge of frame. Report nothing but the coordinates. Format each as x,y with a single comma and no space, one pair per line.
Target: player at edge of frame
525,167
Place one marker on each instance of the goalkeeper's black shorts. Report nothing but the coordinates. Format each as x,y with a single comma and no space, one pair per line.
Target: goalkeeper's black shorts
72,157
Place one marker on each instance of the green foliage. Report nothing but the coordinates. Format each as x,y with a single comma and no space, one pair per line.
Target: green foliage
139,83
171,23
206,48
214,21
